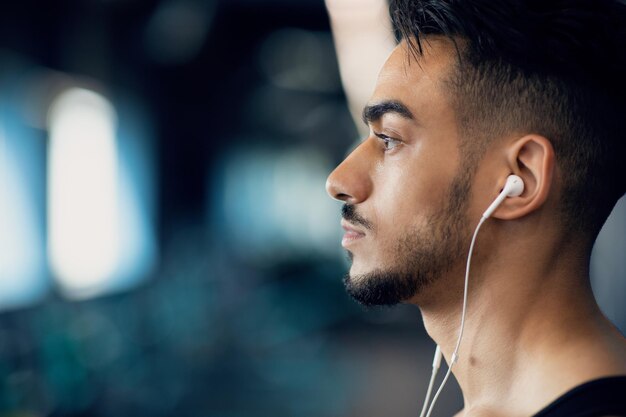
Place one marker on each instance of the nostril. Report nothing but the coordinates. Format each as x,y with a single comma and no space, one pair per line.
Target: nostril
349,182
335,190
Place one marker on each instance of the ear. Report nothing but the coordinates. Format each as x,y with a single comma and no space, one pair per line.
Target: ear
531,158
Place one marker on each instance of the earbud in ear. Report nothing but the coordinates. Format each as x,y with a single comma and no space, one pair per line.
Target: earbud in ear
514,187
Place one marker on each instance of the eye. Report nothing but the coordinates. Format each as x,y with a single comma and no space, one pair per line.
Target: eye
389,144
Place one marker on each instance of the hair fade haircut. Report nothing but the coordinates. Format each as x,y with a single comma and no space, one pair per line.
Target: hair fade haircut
551,67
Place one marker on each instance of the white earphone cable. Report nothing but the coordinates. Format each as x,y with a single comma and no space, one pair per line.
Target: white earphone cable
433,376
455,354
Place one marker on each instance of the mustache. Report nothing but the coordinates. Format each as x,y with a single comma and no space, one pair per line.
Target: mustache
348,212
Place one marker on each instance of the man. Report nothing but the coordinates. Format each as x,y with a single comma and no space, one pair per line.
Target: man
475,91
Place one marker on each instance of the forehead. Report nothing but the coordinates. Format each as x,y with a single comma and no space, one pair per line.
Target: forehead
418,83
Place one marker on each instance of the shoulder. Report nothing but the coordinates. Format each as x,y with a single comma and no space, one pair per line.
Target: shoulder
599,397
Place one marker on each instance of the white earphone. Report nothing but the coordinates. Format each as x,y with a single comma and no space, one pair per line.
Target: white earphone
513,187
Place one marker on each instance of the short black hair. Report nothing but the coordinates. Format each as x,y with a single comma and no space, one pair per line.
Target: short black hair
550,67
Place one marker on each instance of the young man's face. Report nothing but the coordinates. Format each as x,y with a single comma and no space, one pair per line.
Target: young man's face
405,191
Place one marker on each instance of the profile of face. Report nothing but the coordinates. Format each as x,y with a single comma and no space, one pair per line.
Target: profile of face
405,187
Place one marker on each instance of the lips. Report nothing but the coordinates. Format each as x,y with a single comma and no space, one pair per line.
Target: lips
351,234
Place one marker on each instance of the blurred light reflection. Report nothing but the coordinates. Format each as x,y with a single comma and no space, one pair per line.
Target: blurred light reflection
82,184
302,60
177,30
100,204
22,264
271,204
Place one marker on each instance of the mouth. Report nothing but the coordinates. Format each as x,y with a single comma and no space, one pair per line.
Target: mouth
351,235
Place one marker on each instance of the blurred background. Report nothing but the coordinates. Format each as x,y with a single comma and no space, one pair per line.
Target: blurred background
166,244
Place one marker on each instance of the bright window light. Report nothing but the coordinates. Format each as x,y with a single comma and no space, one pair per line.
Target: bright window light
83,215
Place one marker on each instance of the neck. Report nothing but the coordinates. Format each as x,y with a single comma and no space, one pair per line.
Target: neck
519,308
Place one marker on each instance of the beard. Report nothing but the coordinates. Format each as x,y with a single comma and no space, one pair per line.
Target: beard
420,256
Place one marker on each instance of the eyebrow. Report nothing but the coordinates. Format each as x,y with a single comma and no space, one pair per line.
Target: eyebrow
374,112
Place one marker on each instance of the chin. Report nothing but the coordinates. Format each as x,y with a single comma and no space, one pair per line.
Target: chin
380,287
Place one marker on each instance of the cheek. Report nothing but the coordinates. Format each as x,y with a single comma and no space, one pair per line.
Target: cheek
406,197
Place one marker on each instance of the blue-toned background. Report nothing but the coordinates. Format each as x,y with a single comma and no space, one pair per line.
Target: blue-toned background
166,244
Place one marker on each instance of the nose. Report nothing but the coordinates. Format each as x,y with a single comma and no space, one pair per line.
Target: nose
350,182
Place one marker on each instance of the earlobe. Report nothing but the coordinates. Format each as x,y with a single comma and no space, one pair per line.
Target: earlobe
531,158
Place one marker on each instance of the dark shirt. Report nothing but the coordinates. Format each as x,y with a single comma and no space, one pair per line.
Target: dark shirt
598,398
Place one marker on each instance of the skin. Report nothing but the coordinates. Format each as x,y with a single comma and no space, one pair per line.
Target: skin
533,329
